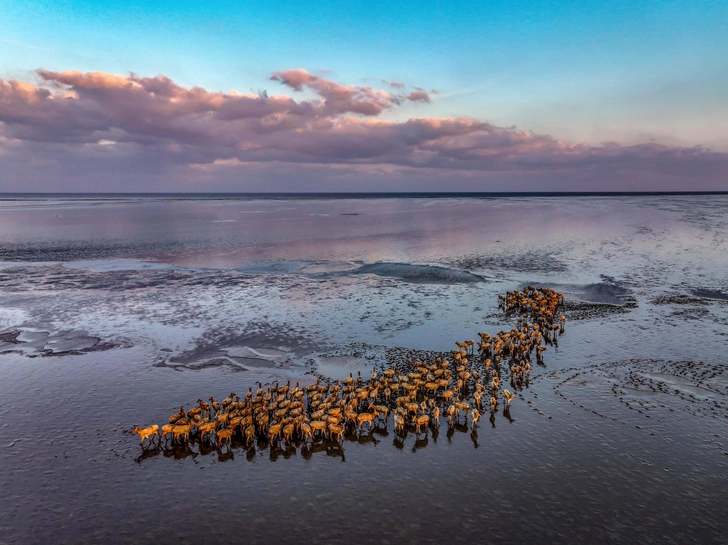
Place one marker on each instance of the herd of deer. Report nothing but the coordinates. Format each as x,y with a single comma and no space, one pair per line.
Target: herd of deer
416,396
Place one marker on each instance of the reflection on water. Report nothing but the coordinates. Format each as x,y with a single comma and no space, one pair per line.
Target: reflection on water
261,448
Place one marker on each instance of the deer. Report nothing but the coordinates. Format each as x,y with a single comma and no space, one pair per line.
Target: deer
149,432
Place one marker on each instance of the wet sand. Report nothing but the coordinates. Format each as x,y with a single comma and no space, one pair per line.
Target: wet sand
621,437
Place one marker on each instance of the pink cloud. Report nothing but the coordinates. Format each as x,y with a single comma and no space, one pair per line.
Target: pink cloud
419,96
342,99
156,125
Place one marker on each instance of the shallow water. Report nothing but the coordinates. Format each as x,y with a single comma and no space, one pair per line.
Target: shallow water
115,313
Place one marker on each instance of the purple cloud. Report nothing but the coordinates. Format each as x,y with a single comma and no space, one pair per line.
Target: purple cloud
153,125
395,84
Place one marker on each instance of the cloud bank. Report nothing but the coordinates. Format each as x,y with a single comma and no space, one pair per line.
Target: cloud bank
70,131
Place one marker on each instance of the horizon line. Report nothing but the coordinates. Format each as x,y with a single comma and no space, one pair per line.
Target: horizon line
360,194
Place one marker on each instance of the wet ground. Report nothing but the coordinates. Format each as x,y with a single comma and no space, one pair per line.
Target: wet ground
114,313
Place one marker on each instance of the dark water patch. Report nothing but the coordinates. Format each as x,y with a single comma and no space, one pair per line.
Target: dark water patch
420,274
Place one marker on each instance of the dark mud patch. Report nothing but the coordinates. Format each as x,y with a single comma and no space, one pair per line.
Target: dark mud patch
261,346
401,358
710,294
264,336
75,250
420,274
10,337
695,313
604,292
537,262
314,269
582,310
205,359
275,267
690,307
596,300
337,362
62,343
650,394
57,277
200,365
69,348
609,291
679,299
695,387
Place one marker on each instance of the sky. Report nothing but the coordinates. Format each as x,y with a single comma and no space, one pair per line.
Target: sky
363,96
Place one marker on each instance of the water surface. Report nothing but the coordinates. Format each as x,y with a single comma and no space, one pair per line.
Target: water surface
114,312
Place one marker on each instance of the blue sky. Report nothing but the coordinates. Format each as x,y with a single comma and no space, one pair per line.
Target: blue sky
585,72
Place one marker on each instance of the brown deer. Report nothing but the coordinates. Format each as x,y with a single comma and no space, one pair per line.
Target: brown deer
149,432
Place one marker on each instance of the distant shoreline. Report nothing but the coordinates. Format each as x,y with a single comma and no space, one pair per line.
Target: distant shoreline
337,195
